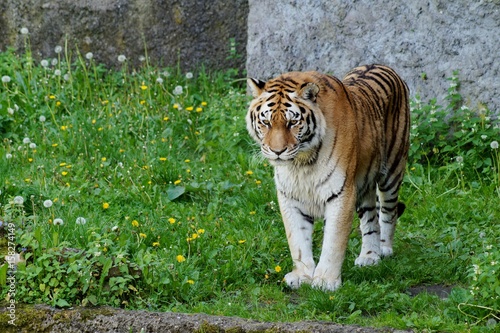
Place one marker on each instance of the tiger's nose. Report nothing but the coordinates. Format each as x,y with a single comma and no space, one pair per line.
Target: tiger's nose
278,152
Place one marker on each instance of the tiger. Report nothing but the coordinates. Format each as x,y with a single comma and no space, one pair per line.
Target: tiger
337,148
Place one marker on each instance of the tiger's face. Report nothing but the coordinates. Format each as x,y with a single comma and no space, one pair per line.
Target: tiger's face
285,119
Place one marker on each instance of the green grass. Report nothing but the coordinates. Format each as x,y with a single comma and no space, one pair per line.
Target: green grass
181,214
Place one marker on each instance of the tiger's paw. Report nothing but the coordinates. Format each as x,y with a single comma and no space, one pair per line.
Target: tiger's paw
326,284
294,279
368,259
386,251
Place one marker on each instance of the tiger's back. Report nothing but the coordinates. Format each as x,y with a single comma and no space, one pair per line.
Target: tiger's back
337,147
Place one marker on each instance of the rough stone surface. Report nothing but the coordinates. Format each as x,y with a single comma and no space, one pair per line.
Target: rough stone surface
434,37
44,319
191,32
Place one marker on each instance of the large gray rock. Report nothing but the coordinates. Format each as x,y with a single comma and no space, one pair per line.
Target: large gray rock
191,32
433,37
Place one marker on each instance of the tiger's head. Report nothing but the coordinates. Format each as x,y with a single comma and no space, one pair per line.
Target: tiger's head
285,118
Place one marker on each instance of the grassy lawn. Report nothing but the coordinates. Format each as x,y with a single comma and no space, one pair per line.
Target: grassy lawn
141,189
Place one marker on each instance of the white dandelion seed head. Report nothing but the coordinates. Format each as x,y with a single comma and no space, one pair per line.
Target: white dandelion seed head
142,58
81,220
44,63
89,55
58,49
121,58
42,119
459,159
18,200
32,145
159,80
54,62
58,221
8,156
178,90
24,31
26,140
494,144
66,77
47,203
114,228
189,75
10,111
57,72
5,79
166,74
484,137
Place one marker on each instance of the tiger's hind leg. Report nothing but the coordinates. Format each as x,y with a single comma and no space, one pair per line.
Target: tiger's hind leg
370,229
390,210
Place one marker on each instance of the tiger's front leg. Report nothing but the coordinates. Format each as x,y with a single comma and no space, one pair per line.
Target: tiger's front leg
338,221
299,229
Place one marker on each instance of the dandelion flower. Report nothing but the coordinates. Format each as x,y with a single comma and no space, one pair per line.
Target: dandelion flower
18,200
242,241
199,109
163,159
177,182
8,156
156,244
47,203
484,137
64,173
249,173
171,220
459,159
58,49
32,145
44,63
57,72
81,220
178,90
189,75
42,119
159,80
180,258
5,79
277,269
175,106
10,111
122,58
135,223
89,55
189,108
142,235
144,87
204,103
58,221
26,140
190,281
494,144
24,31
105,205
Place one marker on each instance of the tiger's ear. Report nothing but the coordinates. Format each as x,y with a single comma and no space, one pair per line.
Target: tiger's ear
256,86
309,91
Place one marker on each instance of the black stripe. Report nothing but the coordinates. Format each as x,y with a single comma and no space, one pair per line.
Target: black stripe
306,217
336,195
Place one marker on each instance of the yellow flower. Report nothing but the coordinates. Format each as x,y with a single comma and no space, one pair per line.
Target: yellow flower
142,102
249,172
199,109
63,128
190,281
52,97
163,159
58,103
201,231
187,161
165,118
176,106
258,182
103,159
180,258
189,108
204,103
171,220
277,269
241,241
93,121
62,164
30,160
55,144
156,244
135,223
64,173
142,235
253,212
194,236
177,182
105,205
143,86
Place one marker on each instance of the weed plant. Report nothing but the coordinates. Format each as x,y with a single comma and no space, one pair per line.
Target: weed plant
141,189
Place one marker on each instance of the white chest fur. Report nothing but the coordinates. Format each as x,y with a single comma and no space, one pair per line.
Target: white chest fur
310,187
